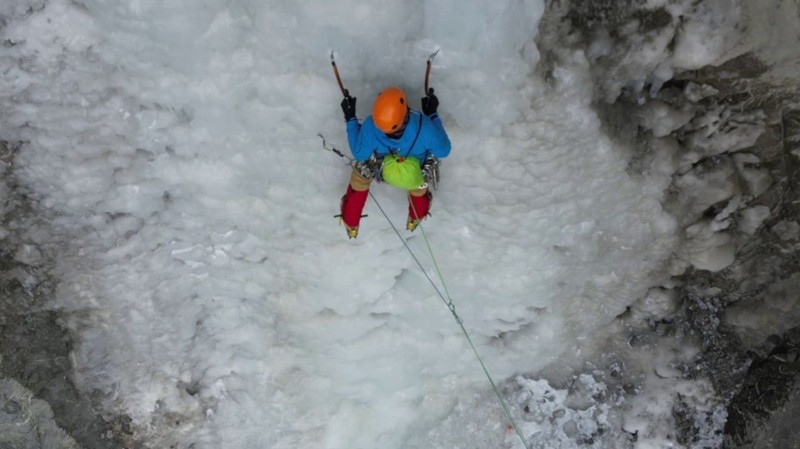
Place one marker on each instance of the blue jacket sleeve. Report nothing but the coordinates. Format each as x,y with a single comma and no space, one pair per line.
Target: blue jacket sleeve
353,132
440,145
359,136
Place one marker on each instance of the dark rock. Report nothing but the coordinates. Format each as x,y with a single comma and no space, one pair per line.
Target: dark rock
34,347
763,415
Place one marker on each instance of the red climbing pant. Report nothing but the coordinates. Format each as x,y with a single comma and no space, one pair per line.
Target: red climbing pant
355,198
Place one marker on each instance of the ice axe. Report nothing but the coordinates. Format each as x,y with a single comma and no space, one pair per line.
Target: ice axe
345,92
427,70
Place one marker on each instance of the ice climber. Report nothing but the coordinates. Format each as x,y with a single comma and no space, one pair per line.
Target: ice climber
392,143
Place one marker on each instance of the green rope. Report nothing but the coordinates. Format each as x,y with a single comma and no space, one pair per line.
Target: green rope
448,300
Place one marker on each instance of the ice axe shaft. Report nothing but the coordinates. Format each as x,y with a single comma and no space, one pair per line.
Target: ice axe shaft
428,70
345,92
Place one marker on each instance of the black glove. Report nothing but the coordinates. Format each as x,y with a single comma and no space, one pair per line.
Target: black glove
430,103
349,108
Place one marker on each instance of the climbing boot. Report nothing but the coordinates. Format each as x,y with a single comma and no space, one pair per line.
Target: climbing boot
351,232
412,224
352,205
418,208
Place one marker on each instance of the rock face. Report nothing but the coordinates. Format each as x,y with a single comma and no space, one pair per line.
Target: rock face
758,290
719,111
37,395
763,414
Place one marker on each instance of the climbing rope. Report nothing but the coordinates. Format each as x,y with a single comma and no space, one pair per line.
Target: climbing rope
448,301
446,298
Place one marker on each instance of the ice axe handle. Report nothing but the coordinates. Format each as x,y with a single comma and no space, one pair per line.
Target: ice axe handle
428,70
427,75
345,92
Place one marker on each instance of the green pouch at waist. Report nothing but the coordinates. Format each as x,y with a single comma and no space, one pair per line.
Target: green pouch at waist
402,172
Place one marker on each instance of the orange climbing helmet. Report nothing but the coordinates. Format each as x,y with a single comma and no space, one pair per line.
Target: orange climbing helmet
390,109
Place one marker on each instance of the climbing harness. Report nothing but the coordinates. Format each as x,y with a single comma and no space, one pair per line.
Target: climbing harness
430,172
372,167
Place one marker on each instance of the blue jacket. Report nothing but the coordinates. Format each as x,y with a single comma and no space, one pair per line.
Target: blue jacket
365,139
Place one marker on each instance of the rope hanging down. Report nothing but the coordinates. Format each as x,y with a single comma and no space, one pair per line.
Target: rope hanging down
448,301
446,298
